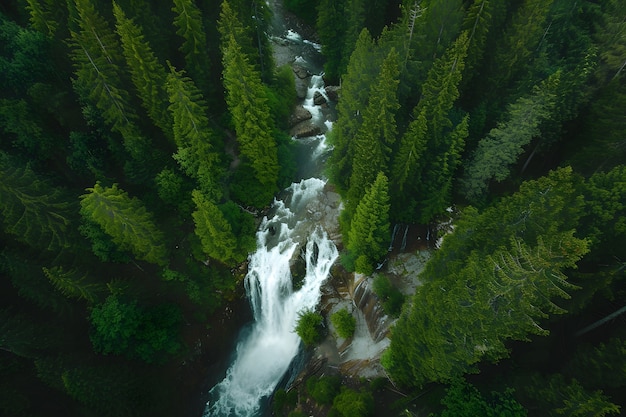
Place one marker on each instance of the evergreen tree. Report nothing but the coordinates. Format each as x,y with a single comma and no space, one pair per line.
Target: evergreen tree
480,291
196,141
190,27
361,73
377,134
250,113
74,283
97,59
147,74
500,149
368,237
126,220
42,16
214,231
330,29
33,210
430,150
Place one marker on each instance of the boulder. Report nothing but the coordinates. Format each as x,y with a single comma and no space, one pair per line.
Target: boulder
299,114
332,91
300,71
305,129
318,99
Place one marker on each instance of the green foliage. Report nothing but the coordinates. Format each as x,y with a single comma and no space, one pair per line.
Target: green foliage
284,400
369,232
251,117
602,365
492,290
309,327
196,141
344,323
126,220
323,389
121,327
558,396
214,231
147,74
32,209
304,9
464,400
350,403
391,298
75,284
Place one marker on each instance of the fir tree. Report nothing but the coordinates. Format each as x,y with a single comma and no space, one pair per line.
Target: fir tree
126,220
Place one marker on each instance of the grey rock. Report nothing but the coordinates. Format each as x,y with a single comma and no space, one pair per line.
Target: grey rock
332,91
305,129
298,115
318,99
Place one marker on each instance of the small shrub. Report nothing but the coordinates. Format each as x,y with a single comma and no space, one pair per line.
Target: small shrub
323,390
309,327
351,403
344,322
390,297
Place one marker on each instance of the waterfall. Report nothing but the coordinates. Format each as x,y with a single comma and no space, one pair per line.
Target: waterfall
265,353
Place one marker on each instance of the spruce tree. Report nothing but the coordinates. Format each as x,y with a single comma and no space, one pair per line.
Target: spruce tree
377,134
126,220
197,142
368,237
214,231
147,74
250,113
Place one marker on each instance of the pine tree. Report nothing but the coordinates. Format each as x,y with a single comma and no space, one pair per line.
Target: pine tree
42,17
497,152
430,150
368,237
190,27
33,210
147,74
330,18
97,59
377,134
361,73
126,220
214,231
195,139
75,284
250,113
494,279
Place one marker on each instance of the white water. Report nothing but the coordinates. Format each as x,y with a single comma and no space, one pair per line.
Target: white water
265,354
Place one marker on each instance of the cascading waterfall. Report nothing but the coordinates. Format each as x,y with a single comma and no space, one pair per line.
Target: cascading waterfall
265,354
266,350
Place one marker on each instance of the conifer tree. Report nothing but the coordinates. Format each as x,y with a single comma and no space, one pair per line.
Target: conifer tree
97,59
188,21
430,150
362,70
147,74
126,220
42,17
368,237
250,113
33,210
330,28
377,134
195,139
75,284
500,149
214,231
494,279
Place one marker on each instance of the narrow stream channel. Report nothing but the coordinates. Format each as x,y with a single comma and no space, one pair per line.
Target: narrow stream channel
266,349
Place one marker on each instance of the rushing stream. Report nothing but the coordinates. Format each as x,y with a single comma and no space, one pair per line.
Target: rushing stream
266,349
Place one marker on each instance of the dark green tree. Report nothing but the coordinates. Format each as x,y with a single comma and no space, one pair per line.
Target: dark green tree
496,153
368,237
123,327
479,291
33,210
147,74
377,134
190,27
351,403
464,400
126,220
330,29
75,284
248,107
308,327
214,231
197,154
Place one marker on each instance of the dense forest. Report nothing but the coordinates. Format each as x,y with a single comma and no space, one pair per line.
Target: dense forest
141,139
